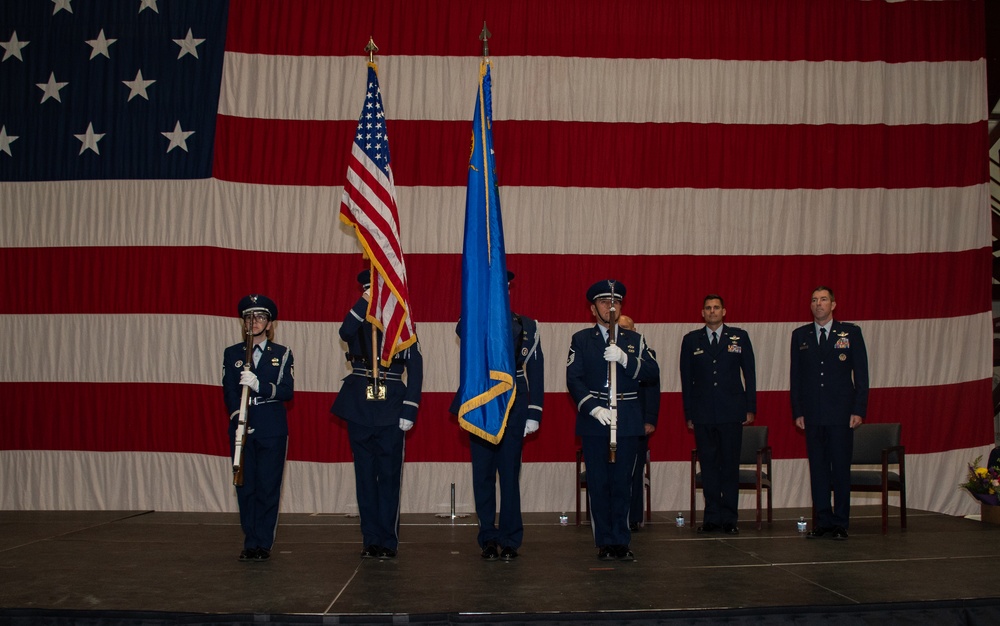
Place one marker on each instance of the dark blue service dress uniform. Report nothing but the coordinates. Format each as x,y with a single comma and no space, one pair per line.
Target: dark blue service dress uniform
717,402
504,458
649,398
377,442
267,436
829,384
609,485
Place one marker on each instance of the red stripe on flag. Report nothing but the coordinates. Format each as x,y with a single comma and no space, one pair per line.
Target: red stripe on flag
661,288
148,417
782,30
591,154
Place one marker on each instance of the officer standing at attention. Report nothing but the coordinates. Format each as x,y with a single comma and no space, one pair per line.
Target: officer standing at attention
504,458
271,382
609,484
829,391
649,398
716,362
378,411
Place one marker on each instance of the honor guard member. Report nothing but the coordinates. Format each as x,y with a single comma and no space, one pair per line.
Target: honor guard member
649,398
504,458
609,485
719,390
379,409
271,383
829,392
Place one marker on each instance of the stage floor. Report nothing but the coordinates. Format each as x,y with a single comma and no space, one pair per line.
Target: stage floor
107,561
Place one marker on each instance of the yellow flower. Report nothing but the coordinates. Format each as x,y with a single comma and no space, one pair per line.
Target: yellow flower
982,472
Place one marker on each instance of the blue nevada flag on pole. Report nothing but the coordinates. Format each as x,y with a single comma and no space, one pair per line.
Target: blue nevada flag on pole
486,392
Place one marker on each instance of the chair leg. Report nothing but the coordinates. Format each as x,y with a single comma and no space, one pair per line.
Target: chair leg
902,505
885,508
758,504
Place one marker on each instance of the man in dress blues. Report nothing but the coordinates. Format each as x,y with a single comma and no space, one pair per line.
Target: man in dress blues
271,383
504,458
378,411
829,392
649,398
719,389
609,484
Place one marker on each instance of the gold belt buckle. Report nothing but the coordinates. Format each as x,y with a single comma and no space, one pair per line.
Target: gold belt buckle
375,390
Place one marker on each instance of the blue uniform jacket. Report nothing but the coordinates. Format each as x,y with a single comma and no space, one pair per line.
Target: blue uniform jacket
829,385
530,377
275,372
401,399
649,397
587,380
711,383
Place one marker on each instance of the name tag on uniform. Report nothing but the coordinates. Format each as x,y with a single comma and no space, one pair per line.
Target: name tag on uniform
804,346
699,351
735,348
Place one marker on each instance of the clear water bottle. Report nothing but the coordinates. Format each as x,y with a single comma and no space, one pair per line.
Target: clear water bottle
801,525
679,520
563,519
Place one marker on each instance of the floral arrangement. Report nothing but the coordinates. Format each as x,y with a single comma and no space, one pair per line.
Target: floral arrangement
983,483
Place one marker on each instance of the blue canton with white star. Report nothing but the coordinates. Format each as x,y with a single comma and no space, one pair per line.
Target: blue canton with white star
371,135
109,89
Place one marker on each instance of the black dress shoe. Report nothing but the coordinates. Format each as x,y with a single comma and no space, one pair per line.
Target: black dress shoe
709,527
839,533
634,527
730,529
622,553
386,553
371,552
491,551
261,554
508,554
819,532
607,553
247,555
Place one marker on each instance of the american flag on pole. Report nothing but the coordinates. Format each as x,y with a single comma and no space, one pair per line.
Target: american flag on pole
369,205
754,149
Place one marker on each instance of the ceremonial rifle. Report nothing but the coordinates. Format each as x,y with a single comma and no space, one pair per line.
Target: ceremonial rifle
241,421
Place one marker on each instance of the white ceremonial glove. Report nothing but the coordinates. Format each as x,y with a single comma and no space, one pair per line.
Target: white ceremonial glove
367,295
249,379
602,415
614,353
530,426
405,424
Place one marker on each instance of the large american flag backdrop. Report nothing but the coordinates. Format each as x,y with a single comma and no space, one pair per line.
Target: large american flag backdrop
753,149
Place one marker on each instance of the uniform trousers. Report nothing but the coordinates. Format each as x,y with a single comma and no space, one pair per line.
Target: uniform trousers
719,457
609,487
489,460
378,469
258,498
636,514
830,449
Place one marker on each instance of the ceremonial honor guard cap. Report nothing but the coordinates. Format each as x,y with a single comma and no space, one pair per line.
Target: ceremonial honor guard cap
365,279
603,288
256,303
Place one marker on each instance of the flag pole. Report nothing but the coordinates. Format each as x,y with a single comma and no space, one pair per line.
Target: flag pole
375,391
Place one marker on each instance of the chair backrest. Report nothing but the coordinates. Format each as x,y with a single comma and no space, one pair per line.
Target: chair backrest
754,438
871,439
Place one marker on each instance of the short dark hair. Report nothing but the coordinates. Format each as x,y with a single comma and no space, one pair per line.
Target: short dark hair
714,296
833,298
